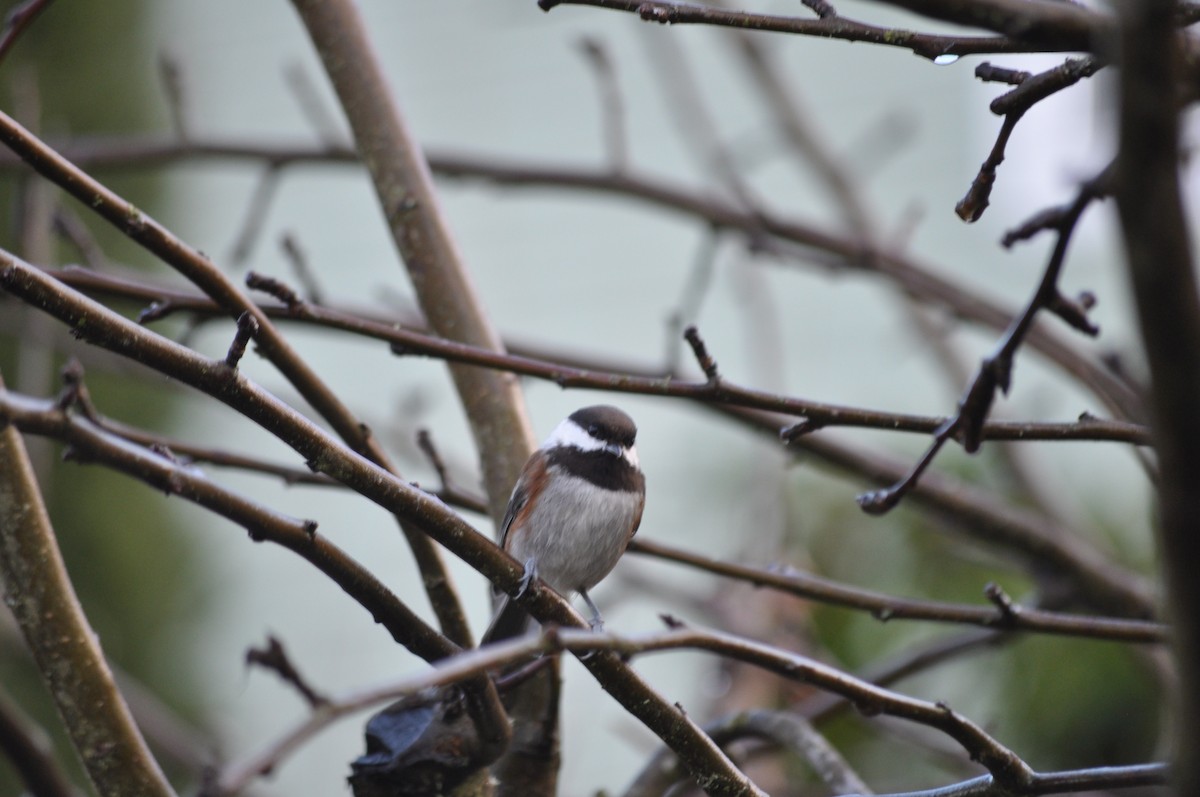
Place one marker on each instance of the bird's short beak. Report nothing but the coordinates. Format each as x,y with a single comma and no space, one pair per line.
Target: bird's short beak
615,449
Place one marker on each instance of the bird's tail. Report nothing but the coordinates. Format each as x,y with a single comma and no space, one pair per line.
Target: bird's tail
510,621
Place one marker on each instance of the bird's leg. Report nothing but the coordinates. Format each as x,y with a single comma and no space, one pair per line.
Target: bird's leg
597,622
527,577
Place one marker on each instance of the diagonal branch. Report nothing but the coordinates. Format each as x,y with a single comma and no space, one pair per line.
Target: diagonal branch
224,291
420,231
995,371
88,443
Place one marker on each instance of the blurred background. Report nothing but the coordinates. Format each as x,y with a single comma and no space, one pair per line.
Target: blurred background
178,596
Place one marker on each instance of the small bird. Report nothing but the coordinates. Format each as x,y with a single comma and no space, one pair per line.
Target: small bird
577,504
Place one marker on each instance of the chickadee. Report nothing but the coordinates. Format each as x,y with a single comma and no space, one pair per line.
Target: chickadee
576,506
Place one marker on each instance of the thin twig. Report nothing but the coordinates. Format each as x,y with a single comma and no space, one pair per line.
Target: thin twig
1030,90
1040,543
449,492
295,254
29,750
171,74
612,108
406,341
274,657
255,217
17,21
247,328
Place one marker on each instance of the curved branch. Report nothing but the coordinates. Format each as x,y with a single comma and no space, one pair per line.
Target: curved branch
870,699
38,591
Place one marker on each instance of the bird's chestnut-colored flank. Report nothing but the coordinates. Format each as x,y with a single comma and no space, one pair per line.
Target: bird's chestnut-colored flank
577,504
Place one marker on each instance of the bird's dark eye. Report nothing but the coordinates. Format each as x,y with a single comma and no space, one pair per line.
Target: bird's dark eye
593,429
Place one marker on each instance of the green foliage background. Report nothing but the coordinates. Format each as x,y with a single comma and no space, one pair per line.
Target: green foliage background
134,571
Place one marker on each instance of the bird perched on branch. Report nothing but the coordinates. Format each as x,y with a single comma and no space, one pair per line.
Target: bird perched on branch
577,504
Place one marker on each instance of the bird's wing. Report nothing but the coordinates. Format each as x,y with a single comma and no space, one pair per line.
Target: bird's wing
637,517
534,473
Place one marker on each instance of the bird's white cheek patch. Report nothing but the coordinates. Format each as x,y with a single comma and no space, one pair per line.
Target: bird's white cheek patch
631,456
569,433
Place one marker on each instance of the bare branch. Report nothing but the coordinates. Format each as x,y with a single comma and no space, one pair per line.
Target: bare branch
1071,26
422,237
90,444
38,591
405,341
797,735
300,266
1007,770
1030,90
1041,543
449,492
171,74
1009,617
247,328
837,27
612,109
973,511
